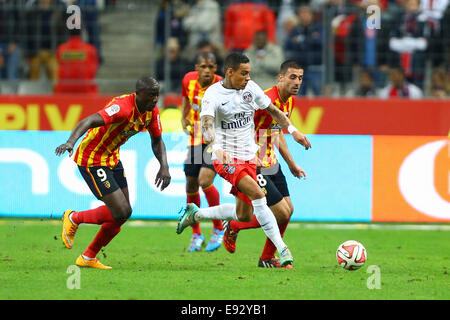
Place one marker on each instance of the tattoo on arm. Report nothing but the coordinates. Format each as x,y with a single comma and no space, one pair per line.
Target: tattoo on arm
208,129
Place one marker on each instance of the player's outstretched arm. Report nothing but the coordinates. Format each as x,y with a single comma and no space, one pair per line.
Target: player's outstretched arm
163,176
284,151
284,122
93,121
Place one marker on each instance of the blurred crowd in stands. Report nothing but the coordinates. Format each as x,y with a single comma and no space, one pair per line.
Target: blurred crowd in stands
347,48
344,50
35,38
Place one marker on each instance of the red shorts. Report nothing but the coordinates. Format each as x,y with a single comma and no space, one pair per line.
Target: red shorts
234,172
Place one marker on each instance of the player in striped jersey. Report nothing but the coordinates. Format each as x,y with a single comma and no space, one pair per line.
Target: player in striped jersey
98,160
198,166
270,176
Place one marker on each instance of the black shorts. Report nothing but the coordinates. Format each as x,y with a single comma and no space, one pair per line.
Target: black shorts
197,158
103,180
274,184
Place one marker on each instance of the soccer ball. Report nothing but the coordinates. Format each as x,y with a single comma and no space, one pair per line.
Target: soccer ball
351,255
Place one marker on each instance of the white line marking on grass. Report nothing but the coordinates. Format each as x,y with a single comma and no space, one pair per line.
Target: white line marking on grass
366,226
292,225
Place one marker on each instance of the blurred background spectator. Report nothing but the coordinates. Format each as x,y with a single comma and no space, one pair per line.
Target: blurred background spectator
243,19
10,28
265,59
176,10
399,87
440,84
366,86
409,42
203,22
178,66
46,30
78,63
304,44
90,17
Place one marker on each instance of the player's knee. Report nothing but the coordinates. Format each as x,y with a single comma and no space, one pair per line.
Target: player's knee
255,194
122,214
243,217
284,216
282,211
204,182
243,214
191,187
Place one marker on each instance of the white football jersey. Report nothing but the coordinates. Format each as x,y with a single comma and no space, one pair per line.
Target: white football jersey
233,111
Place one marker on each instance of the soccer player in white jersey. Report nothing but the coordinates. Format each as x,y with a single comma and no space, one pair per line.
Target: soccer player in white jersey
228,108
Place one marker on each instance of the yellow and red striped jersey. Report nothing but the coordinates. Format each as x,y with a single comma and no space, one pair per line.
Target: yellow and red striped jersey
100,146
194,92
267,129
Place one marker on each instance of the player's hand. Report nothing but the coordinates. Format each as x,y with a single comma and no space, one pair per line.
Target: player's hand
162,179
223,157
63,148
297,171
302,139
259,163
187,126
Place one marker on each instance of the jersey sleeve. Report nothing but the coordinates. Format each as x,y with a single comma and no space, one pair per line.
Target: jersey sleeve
114,112
208,104
184,92
154,127
261,99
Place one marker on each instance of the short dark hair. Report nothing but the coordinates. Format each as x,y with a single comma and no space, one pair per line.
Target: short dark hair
234,60
289,64
145,83
367,72
206,56
399,69
203,43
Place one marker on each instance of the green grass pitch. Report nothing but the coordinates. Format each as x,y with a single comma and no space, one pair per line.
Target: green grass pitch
151,262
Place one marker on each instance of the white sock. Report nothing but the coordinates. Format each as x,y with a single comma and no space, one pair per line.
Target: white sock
224,211
268,222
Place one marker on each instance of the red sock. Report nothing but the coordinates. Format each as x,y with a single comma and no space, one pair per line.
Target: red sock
238,225
213,198
269,248
94,216
107,232
195,198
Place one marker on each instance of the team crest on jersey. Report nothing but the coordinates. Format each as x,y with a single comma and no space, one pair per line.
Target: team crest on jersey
248,97
107,184
112,109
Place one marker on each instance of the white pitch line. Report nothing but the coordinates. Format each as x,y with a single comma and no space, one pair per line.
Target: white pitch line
335,226
366,226
292,225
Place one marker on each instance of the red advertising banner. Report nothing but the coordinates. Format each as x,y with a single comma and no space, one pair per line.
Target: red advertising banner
372,116
366,116
54,112
311,116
